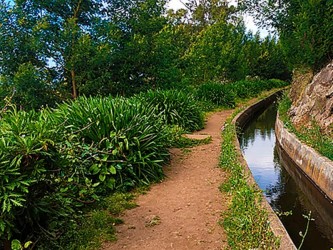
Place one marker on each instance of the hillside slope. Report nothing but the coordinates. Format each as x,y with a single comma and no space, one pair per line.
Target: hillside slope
312,98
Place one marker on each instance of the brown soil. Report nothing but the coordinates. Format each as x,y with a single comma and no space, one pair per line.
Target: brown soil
183,211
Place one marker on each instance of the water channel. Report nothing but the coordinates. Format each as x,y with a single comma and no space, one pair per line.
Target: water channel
286,188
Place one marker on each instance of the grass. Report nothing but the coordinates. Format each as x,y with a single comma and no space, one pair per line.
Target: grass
311,136
95,226
184,142
245,222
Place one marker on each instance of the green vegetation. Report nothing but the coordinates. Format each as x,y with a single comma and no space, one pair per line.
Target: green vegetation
60,156
217,93
305,28
58,166
226,95
175,107
54,162
185,143
51,51
96,225
252,88
246,221
312,136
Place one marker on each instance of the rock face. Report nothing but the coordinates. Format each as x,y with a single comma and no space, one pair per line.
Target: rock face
312,99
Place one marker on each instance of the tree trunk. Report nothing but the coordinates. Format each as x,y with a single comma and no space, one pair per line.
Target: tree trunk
73,84
7,245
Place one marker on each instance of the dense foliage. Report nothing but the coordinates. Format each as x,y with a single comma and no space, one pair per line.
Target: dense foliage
55,161
226,94
305,28
58,155
175,108
51,51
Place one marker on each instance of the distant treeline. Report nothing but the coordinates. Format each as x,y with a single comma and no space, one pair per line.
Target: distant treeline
51,51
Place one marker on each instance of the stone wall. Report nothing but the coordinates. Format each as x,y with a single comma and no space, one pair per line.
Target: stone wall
317,167
312,98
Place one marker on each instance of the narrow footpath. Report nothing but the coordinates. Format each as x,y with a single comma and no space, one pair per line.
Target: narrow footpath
183,211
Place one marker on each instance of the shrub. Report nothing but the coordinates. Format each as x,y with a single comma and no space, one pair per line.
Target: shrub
217,93
120,141
251,88
174,108
52,163
276,83
31,197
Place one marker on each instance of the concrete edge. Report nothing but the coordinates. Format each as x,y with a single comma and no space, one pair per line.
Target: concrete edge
318,168
240,121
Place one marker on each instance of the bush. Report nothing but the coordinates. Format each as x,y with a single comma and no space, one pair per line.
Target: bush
217,93
175,107
31,193
54,162
120,142
251,88
224,95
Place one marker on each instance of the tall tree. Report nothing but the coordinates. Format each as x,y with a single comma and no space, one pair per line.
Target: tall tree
304,26
202,13
24,51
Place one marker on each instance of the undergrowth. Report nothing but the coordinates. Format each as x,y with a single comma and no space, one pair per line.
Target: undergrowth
245,222
311,136
94,226
216,94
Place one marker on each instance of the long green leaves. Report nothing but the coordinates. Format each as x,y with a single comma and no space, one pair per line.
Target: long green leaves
175,108
54,162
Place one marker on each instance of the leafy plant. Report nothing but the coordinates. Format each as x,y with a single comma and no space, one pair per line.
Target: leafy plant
94,226
55,162
174,107
217,93
303,235
121,142
29,163
225,94
251,88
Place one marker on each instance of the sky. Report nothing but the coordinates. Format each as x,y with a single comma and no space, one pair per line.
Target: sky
249,23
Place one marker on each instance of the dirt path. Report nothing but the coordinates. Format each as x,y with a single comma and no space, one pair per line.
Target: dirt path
183,211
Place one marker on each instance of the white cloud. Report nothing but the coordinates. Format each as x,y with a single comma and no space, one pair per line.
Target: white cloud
175,4
251,26
249,23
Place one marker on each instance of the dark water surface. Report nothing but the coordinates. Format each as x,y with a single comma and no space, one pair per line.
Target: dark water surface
285,186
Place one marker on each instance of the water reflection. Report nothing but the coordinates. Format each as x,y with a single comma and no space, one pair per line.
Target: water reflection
285,187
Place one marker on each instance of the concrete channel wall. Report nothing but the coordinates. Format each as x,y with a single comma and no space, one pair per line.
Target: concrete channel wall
240,121
316,167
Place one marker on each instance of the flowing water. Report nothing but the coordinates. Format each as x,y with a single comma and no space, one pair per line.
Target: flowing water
287,189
